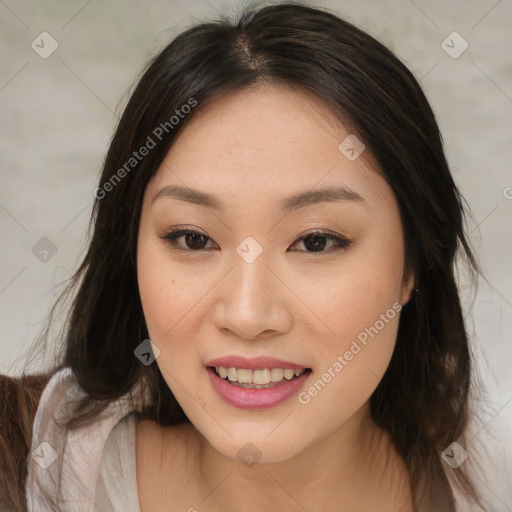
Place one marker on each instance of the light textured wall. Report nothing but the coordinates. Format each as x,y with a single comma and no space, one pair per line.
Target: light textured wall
58,114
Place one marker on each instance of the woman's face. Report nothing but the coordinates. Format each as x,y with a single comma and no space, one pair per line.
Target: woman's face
250,286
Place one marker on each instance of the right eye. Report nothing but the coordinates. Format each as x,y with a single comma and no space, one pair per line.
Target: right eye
195,241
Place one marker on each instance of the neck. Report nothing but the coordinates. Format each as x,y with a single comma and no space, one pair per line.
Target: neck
354,468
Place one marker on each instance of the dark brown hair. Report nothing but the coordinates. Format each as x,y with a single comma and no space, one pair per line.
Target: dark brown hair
19,400
422,400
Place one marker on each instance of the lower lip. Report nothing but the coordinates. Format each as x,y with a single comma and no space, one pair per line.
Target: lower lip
247,398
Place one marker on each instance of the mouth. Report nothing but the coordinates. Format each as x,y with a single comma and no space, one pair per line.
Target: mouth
259,388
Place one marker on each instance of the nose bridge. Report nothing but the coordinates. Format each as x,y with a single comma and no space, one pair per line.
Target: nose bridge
251,281
252,301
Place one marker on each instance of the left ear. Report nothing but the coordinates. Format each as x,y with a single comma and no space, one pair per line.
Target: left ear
408,287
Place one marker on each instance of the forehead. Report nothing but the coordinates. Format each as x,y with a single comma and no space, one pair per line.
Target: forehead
265,144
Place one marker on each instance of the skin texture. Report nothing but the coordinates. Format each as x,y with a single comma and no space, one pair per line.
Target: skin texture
251,149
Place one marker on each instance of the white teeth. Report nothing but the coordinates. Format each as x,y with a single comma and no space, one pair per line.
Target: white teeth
276,374
258,377
232,374
289,374
244,376
261,376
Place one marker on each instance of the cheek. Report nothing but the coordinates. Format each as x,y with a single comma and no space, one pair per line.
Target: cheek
165,303
350,369
157,292
167,290
172,296
365,326
360,306
166,294
352,298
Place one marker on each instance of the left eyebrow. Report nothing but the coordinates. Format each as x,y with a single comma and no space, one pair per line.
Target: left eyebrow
331,194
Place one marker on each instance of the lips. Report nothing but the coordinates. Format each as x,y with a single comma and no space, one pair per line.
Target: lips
257,363
259,397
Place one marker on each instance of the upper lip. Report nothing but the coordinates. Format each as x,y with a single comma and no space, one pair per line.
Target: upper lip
255,363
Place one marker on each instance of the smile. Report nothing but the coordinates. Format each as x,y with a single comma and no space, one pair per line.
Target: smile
244,388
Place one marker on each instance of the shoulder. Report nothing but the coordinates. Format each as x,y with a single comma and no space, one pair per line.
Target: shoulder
65,462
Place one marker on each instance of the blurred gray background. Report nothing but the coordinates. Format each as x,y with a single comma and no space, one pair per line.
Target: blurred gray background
59,110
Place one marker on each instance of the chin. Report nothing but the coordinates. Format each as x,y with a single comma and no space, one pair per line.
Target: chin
249,451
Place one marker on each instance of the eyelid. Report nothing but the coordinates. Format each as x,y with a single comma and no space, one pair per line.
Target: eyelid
319,231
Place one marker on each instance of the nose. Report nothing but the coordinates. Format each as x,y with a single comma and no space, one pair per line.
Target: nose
253,303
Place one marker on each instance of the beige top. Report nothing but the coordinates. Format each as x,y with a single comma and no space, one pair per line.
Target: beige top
116,489
88,469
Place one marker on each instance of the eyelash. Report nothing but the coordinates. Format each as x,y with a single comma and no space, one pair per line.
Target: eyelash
339,242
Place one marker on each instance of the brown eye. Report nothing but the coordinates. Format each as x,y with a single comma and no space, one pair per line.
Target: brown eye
315,241
194,240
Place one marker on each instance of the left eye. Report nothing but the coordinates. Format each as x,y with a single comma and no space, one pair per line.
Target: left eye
314,241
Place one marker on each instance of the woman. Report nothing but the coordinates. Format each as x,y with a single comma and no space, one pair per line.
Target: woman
267,314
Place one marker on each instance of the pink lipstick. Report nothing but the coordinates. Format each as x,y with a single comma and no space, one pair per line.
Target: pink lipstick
254,396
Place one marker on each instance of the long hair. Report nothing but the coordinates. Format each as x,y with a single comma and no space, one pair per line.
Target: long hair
423,398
